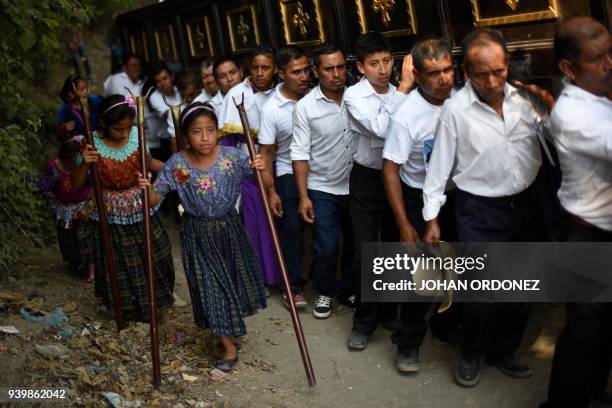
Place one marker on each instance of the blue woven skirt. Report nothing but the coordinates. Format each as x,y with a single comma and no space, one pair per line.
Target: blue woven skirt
224,277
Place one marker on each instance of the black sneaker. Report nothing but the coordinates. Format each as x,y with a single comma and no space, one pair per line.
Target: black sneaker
357,341
467,372
511,366
407,361
322,307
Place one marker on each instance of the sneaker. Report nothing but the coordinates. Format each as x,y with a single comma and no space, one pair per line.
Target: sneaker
357,341
298,300
467,372
322,307
511,366
407,361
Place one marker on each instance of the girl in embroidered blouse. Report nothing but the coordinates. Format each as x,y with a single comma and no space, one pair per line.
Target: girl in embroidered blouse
68,204
224,277
116,155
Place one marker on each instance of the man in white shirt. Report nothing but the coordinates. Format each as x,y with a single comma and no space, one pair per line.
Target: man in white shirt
128,78
209,84
581,125
321,157
276,130
227,75
160,112
487,144
188,85
256,88
369,104
405,156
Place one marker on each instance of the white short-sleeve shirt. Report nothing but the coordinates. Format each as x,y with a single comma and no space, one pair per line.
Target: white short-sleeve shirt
410,139
276,126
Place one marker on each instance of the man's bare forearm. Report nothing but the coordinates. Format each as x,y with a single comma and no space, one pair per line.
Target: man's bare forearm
300,172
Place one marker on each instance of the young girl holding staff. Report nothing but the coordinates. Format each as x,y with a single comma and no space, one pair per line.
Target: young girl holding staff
116,155
224,277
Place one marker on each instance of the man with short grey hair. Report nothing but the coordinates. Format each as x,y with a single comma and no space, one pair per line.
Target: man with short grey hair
405,156
487,143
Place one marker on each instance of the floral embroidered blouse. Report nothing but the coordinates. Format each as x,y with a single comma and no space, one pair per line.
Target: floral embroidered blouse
67,203
209,193
118,170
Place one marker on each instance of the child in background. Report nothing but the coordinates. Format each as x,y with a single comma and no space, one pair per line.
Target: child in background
224,277
255,90
188,85
68,204
116,153
69,116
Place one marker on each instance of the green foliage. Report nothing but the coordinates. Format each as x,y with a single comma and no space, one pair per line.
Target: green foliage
30,37
30,43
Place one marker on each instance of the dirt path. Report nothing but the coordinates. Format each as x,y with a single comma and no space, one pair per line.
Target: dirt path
270,372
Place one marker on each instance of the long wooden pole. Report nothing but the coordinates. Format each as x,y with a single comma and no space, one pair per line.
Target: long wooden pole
175,111
109,259
297,325
146,218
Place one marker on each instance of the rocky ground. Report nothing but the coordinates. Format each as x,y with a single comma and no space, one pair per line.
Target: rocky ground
87,356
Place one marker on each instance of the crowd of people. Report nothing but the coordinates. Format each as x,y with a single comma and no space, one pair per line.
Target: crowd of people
370,162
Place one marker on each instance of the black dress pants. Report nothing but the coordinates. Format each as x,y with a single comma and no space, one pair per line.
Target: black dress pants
372,221
495,329
412,326
583,355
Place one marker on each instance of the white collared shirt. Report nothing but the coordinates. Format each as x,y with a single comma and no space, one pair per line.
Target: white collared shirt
118,82
162,111
229,119
484,154
203,97
217,103
411,136
276,126
368,114
322,137
581,125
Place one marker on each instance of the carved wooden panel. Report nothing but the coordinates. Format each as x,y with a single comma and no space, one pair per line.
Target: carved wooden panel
199,36
302,22
243,27
189,30
165,43
527,34
391,17
503,12
139,44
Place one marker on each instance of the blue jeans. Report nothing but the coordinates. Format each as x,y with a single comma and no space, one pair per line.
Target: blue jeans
332,220
290,228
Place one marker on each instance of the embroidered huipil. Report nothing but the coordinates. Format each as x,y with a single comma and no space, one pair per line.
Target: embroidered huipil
118,170
208,193
67,202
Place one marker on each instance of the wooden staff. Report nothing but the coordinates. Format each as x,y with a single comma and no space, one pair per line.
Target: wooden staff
146,218
299,333
175,111
109,259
